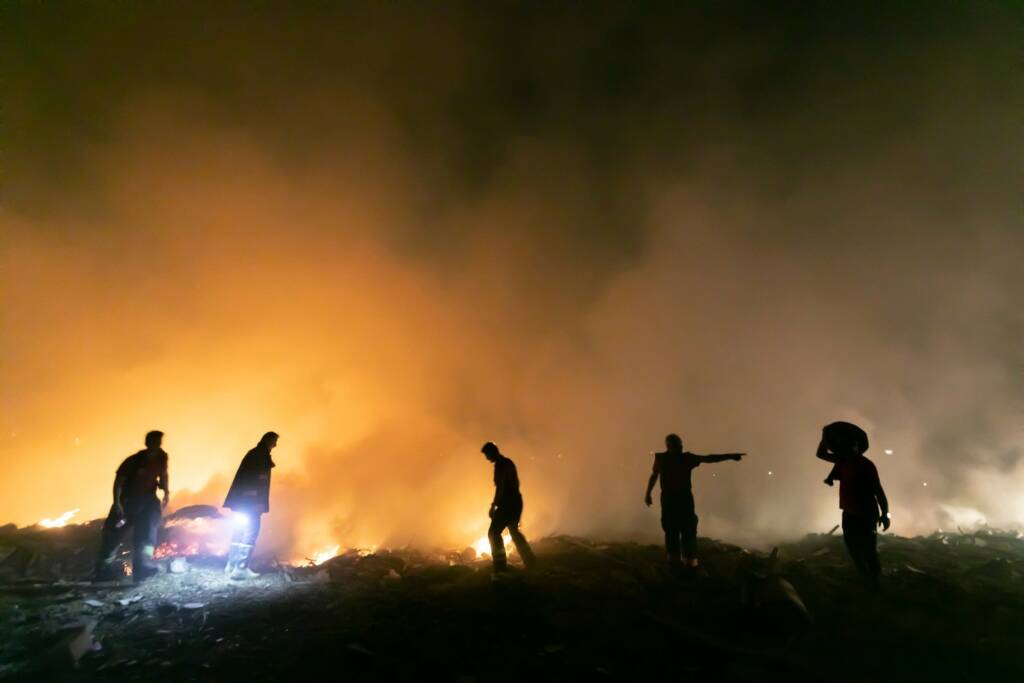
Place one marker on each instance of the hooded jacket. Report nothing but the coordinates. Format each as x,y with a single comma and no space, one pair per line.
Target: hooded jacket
250,491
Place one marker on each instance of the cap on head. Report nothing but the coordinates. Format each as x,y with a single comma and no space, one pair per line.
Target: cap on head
154,438
673,442
490,449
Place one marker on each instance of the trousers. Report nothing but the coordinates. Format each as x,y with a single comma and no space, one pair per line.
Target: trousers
143,516
243,540
507,516
679,522
861,540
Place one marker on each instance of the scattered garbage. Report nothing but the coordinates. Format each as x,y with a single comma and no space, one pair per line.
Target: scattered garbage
80,642
589,606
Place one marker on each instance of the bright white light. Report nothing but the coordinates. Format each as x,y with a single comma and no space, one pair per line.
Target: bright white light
241,519
60,521
769,473
888,451
924,483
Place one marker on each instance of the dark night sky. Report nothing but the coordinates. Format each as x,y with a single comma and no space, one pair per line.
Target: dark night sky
393,231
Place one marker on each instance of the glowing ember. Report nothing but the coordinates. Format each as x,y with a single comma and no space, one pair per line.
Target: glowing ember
199,525
482,545
171,549
59,521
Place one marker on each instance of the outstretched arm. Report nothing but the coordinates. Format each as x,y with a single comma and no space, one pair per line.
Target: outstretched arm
825,454
720,457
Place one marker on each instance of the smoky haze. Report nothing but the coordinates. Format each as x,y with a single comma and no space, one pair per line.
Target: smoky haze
392,234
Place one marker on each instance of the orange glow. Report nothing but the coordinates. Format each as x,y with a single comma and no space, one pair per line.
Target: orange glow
171,549
482,545
322,556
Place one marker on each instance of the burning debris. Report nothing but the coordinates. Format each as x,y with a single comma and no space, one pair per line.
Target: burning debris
58,521
193,531
589,610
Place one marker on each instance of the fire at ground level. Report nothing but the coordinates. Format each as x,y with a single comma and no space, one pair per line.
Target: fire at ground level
952,608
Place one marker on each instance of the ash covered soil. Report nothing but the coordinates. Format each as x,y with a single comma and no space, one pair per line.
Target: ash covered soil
952,608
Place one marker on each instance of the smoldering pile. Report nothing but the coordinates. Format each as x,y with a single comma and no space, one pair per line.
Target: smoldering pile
591,609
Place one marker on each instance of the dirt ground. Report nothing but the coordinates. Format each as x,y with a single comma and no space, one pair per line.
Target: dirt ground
951,609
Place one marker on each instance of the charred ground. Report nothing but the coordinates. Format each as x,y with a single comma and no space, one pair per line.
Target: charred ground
952,608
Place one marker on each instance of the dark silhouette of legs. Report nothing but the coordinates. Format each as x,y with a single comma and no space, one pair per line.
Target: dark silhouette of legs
522,546
145,517
498,556
109,541
679,522
690,538
862,543
672,544
507,517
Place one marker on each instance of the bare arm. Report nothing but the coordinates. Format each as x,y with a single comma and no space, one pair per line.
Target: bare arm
650,487
825,454
165,485
499,488
118,489
720,457
883,503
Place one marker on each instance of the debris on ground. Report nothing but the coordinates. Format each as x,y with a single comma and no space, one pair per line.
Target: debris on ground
589,610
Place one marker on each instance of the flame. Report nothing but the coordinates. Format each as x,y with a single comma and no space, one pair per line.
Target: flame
322,556
482,545
59,521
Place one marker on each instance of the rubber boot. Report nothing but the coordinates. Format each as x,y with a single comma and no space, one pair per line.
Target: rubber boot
233,554
239,563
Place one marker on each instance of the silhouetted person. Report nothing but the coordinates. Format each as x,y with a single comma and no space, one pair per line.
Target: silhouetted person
678,517
136,506
249,497
860,495
506,510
